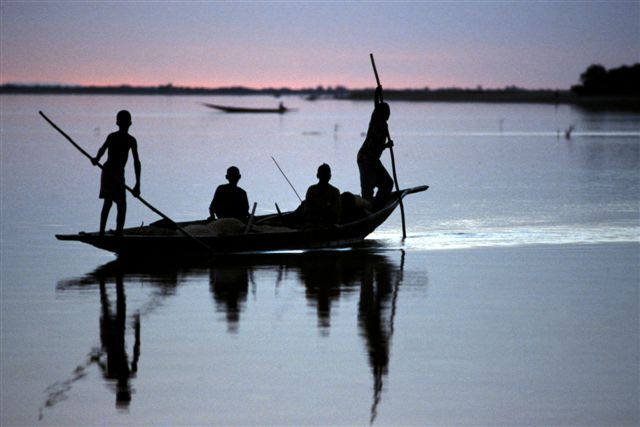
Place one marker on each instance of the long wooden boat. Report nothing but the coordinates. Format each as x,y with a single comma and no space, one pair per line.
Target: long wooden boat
229,109
269,233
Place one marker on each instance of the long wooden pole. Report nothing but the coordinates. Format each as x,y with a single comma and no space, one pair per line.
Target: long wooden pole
393,160
285,177
139,197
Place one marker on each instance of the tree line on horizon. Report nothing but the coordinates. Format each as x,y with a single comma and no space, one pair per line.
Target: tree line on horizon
338,91
596,81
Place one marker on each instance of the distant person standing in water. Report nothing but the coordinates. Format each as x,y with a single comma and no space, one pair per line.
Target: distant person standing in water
229,200
112,183
372,172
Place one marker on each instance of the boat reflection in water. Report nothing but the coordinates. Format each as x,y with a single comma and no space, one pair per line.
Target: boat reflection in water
326,275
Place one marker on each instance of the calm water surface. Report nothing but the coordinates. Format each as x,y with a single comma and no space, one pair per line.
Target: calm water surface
513,301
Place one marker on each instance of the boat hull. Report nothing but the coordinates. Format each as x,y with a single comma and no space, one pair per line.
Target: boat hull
229,109
133,244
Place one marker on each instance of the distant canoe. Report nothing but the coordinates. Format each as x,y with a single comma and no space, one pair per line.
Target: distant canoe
228,109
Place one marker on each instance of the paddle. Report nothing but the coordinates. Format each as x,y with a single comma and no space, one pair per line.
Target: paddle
139,197
393,160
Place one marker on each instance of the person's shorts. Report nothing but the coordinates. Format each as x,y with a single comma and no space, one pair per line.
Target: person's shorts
112,186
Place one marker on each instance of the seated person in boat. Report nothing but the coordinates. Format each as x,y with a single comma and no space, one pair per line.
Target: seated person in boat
112,183
322,205
372,172
229,200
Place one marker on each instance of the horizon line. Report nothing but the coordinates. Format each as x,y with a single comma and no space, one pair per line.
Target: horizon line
319,87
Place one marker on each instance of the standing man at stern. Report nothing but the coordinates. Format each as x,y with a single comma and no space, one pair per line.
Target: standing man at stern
372,173
112,183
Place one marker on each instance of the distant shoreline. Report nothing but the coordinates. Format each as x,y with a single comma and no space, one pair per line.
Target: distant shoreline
506,95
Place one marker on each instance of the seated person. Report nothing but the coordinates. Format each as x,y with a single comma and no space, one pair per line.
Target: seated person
229,200
322,205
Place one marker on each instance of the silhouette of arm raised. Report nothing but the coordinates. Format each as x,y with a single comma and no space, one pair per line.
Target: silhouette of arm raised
377,99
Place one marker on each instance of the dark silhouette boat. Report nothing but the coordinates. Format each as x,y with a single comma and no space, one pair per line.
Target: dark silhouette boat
267,233
229,109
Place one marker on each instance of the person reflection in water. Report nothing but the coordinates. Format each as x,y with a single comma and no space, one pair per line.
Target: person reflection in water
229,200
112,183
324,278
378,292
322,204
112,336
372,172
330,275
229,286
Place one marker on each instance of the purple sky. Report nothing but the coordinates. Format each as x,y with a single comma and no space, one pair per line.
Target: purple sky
541,44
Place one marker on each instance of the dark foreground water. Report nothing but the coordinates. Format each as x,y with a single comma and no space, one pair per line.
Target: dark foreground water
539,335
514,300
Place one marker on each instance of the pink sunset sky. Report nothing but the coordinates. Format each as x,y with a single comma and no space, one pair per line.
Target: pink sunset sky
541,44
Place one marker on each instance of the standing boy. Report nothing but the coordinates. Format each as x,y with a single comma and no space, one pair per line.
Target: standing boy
112,183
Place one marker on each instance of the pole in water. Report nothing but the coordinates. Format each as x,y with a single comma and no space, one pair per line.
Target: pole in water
285,177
